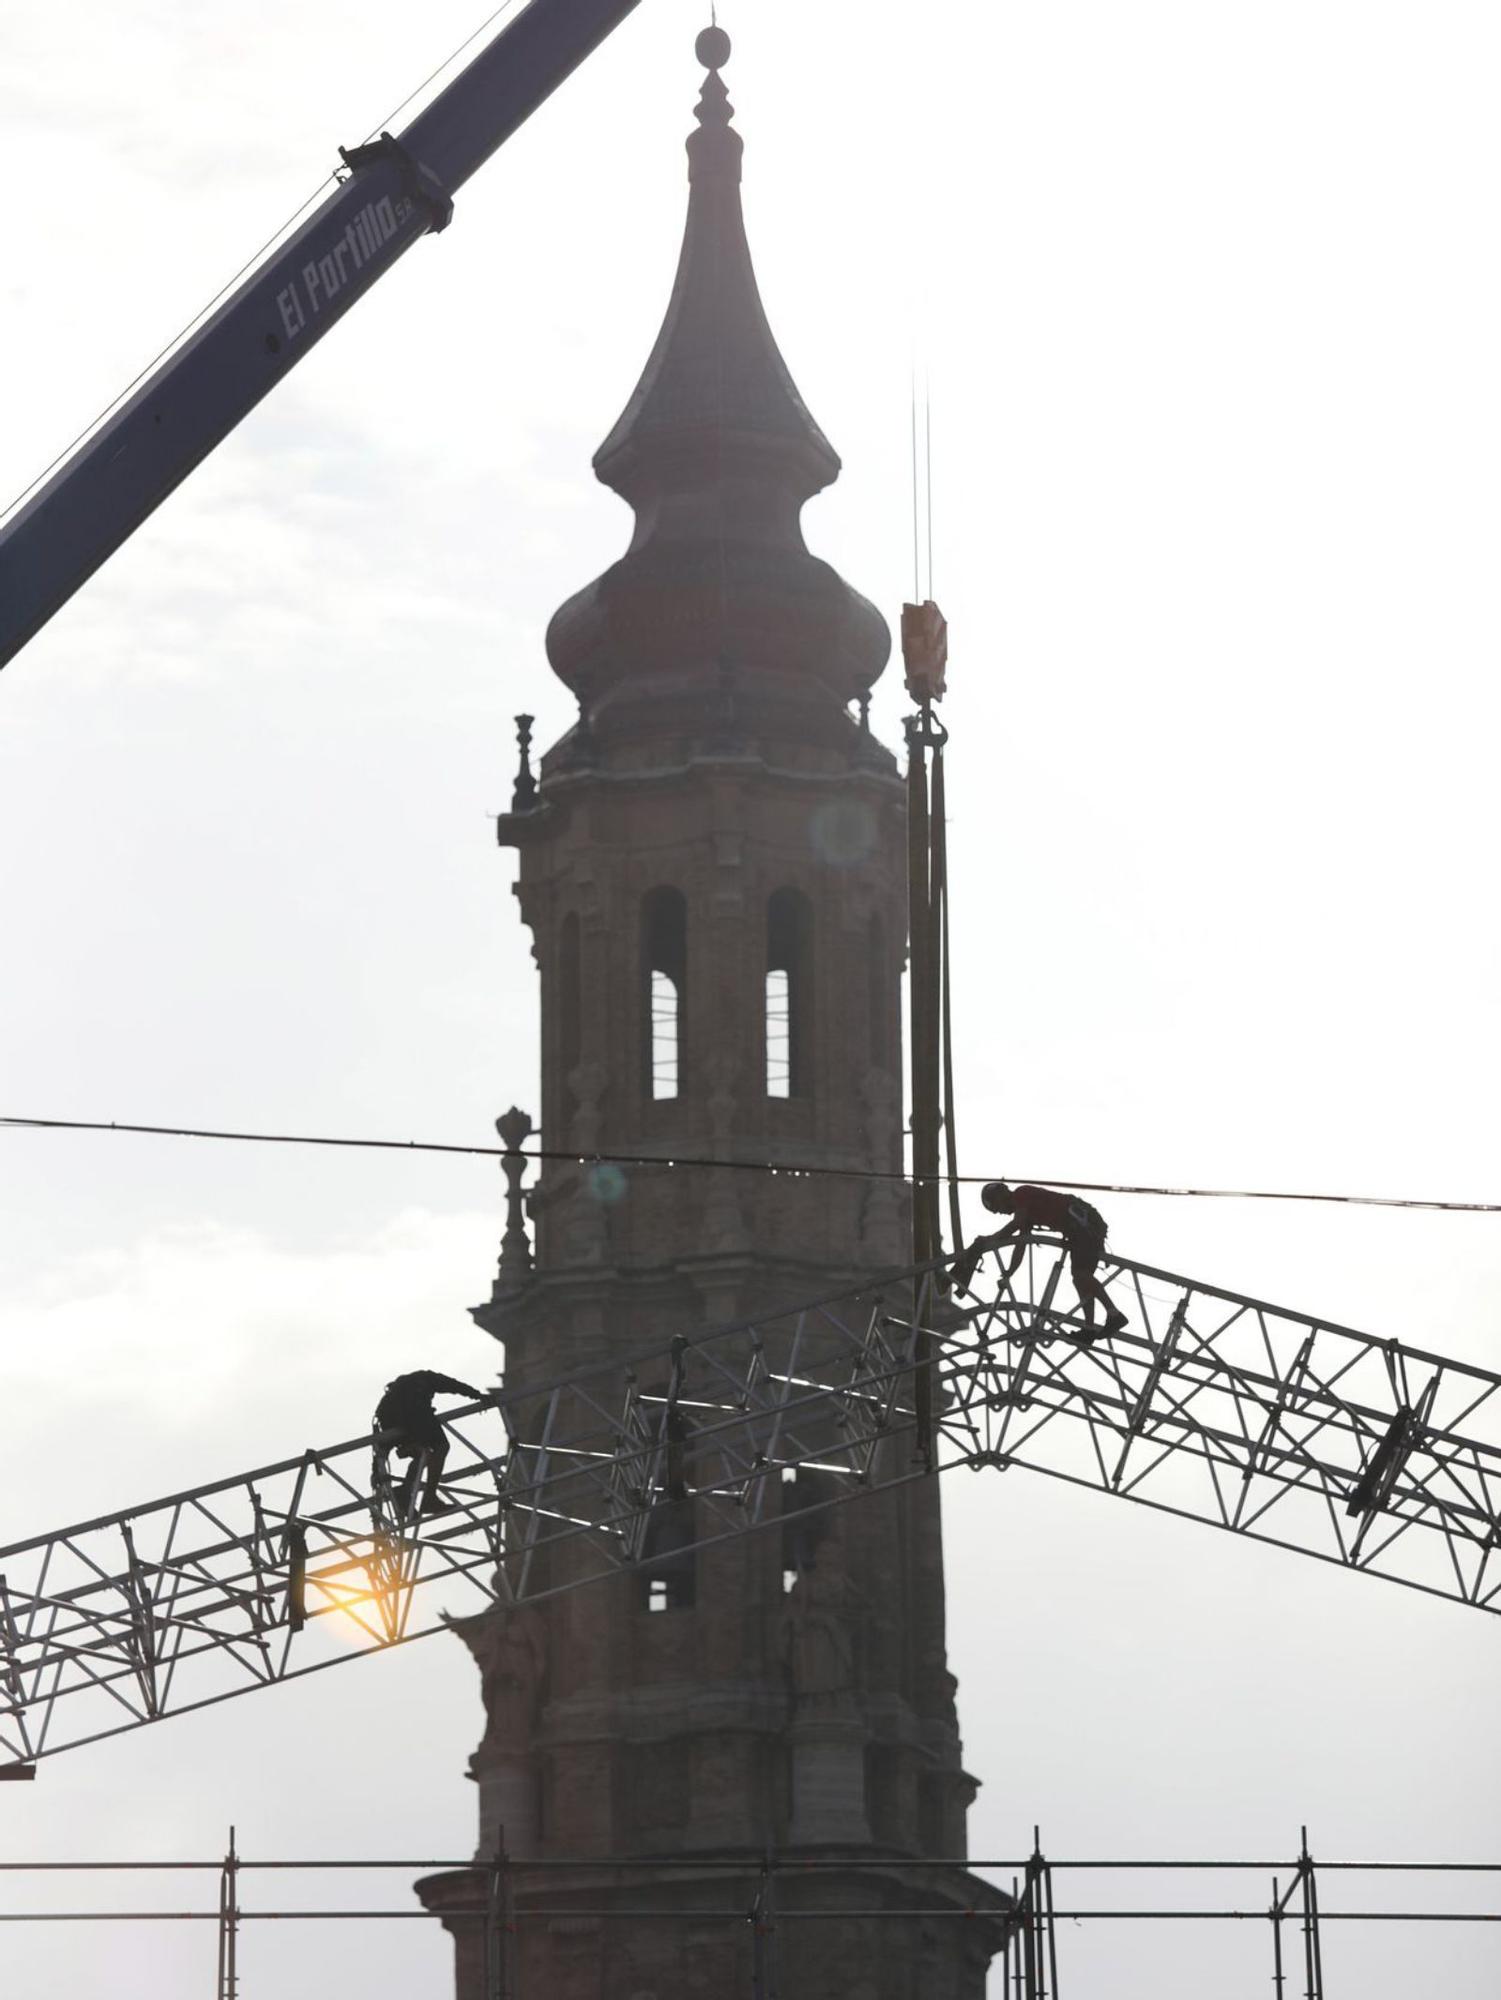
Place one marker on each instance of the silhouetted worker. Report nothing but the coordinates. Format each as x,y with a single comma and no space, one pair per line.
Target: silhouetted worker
407,1409
1081,1227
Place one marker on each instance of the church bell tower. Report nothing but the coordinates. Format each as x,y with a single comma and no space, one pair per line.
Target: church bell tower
712,870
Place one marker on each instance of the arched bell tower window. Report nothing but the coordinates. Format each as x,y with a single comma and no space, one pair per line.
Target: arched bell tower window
664,962
667,1560
789,994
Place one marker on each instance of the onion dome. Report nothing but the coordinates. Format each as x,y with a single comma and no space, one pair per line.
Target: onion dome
716,452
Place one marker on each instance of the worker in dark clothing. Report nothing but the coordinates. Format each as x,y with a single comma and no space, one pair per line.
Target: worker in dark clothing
406,1409
1081,1227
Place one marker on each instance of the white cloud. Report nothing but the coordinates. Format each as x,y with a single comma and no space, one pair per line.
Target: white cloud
207,1349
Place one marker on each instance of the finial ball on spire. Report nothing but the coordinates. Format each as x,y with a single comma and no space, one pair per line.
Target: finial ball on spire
712,48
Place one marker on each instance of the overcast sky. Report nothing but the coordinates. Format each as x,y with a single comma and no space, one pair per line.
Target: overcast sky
1208,297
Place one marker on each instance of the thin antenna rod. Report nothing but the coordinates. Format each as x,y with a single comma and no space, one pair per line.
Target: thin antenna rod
927,425
916,580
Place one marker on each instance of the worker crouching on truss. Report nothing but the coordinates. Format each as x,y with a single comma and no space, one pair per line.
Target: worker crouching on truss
405,1412
1081,1227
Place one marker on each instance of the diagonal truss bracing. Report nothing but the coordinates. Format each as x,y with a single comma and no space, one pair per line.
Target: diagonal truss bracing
1207,1404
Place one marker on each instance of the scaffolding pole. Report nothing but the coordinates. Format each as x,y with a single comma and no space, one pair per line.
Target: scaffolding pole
1313,1954
763,1936
1036,1959
228,1985
499,1929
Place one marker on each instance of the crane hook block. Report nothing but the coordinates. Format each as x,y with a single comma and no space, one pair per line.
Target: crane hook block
925,650
422,181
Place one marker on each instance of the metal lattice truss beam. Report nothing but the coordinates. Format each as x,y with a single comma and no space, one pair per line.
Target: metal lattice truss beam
1207,1405
1290,1430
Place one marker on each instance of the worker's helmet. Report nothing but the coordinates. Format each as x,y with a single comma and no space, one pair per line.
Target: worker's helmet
996,1196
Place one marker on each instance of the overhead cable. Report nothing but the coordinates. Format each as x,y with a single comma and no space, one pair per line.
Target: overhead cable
790,1169
432,76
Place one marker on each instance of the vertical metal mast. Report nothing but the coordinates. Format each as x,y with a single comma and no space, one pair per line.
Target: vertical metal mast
925,655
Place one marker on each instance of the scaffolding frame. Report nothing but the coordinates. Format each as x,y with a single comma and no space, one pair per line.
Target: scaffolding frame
1029,1964
1209,1405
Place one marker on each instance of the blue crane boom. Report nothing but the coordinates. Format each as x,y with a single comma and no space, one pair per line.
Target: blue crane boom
396,190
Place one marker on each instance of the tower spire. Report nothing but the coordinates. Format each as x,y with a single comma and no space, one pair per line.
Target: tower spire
716,452
715,369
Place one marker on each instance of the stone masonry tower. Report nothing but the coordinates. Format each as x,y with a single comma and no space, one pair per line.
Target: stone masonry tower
712,869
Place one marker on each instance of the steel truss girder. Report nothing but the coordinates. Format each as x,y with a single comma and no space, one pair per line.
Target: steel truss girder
1207,1404
1242,1414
